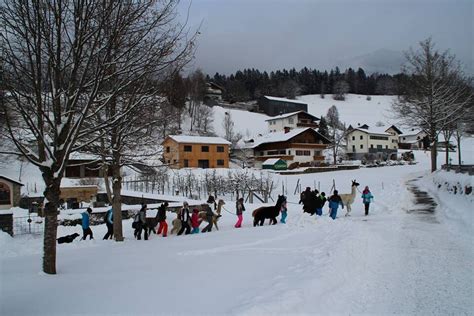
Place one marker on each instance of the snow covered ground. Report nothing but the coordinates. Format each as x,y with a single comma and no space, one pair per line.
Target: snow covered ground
394,261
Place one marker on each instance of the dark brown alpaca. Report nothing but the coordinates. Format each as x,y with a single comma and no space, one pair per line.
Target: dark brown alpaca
271,212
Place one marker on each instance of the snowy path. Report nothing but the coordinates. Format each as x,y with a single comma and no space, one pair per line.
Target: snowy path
393,261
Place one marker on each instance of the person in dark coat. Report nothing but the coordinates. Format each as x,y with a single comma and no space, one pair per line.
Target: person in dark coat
109,221
141,224
211,201
308,198
334,202
86,229
184,217
163,226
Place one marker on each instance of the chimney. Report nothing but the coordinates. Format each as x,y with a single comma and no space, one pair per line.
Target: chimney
287,129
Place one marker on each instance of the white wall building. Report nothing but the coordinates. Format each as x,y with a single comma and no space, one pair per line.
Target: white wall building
291,121
375,143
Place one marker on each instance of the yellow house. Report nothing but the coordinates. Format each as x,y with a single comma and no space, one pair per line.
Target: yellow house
182,151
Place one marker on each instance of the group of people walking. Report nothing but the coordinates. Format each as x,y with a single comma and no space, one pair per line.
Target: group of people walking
313,203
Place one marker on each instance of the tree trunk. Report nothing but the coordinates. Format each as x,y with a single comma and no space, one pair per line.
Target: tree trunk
458,141
447,151
434,153
117,202
51,193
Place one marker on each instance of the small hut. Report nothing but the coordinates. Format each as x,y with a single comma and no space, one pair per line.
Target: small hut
275,164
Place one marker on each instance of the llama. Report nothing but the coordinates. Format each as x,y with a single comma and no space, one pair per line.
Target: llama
215,218
348,199
271,212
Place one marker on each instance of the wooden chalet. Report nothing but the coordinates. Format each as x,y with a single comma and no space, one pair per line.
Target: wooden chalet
297,145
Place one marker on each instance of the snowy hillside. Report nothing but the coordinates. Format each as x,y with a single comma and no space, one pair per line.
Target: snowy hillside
355,109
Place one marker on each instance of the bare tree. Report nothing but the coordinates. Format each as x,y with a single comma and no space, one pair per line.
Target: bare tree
341,88
434,96
61,58
196,88
229,130
336,131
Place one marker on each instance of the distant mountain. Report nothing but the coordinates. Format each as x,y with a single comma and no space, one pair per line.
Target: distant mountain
381,61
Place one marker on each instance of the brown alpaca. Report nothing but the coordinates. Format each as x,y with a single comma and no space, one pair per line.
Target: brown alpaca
215,218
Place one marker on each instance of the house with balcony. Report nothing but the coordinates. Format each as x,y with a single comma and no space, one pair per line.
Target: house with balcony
372,143
414,139
182,151
296,145
273,106
291,121
213,94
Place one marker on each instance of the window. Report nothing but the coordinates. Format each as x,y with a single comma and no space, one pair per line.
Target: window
379,137
379,146
361,136
186,163
386,146
289,152
303,153
168,149
169,161
290,121
361,146
353,148
220,162
371,145
4,194
188,148
353,138
205,149
220,149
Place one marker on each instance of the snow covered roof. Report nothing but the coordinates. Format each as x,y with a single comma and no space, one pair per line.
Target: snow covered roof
382,130
373,130
282,116
283,100
276,137
411,133
188,139
271,161
10,180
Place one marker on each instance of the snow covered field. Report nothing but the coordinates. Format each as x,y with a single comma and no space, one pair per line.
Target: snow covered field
398,260
395,261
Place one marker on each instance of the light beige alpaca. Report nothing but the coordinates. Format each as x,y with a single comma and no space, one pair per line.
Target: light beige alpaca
215,218
348,199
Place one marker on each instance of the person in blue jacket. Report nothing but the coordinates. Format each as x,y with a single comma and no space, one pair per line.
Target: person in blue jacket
367,197
86,229
109,221
284,212
334,202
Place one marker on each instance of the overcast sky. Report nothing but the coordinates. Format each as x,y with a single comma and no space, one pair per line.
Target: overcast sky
276,34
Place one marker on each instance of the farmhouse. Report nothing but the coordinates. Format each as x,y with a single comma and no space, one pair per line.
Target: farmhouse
213,93
181,151
413,140
291,121
273,106
297,145
366,142
84,165
10,193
